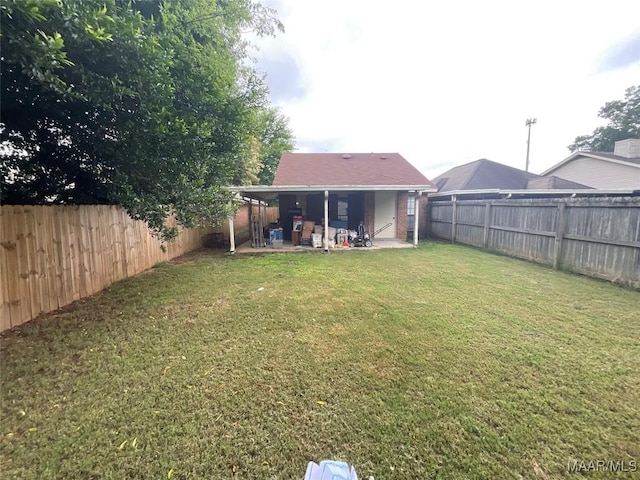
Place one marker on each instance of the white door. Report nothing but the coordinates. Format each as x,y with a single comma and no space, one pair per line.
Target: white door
385,213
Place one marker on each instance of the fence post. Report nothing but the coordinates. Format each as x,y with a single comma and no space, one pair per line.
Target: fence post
454,218
487,224
560,224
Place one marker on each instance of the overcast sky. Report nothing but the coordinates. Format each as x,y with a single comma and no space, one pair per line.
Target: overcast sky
446,83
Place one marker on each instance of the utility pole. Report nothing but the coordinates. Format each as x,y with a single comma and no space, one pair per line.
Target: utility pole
528,123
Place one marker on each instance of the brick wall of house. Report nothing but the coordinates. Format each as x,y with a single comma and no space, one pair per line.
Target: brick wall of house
369,211
401,216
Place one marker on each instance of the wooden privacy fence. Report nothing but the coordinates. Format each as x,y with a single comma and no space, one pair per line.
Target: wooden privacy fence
51,256
599,237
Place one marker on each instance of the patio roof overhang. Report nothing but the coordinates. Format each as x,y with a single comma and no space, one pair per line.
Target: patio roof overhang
270,192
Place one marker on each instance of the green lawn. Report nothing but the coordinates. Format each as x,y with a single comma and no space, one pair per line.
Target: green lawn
443,362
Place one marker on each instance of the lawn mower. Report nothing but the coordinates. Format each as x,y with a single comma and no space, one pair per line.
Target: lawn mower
360,238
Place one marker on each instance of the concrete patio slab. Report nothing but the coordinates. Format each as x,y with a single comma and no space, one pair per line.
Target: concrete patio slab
288,247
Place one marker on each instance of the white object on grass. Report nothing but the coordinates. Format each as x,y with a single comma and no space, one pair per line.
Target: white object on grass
260,289
330,470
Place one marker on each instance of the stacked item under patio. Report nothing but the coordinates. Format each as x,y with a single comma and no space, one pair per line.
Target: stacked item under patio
307,230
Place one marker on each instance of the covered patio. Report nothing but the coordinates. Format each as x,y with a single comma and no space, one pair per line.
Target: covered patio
339,207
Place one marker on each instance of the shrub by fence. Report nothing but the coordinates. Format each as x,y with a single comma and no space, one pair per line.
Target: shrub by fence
599,237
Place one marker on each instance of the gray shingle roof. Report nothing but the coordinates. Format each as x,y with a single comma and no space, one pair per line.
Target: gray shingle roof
551,181
485,174
482,174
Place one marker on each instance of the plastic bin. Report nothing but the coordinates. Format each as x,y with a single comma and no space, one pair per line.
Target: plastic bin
275,234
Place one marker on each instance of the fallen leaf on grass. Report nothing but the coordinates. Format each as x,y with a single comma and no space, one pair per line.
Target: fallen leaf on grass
320,402
170,473
165,369
122,445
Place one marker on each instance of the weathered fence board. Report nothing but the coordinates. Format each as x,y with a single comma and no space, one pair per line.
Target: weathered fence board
599,237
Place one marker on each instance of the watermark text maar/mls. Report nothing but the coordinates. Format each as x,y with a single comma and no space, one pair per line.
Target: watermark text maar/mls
622,466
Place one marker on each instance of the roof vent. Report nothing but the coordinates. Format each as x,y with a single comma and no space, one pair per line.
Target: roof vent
383,157
346,156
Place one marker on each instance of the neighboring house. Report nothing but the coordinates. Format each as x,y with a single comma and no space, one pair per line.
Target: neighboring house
378,189
603,170
551,182
485,174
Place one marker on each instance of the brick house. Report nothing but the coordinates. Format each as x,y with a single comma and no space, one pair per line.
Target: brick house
344,189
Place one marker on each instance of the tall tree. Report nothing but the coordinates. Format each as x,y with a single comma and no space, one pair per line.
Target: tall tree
623,122
275,137
147,104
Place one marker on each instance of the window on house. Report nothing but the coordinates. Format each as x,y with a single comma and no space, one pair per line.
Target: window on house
343,211
411,214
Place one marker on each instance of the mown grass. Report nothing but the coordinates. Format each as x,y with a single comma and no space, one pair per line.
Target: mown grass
443,362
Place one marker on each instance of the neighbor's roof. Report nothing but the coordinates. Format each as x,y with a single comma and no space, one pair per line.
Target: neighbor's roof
347,169
604,156
481,174
552,182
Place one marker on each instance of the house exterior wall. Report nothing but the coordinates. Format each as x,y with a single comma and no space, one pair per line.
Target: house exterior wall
369,210
599,173
385,213
401,215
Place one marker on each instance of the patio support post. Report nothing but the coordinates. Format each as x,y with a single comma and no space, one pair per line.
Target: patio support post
261,222
416,225
326,220
232,233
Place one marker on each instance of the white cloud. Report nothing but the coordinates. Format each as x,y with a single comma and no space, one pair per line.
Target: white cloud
449,82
